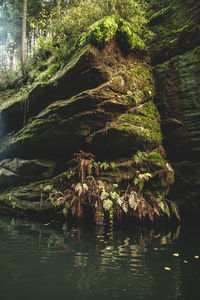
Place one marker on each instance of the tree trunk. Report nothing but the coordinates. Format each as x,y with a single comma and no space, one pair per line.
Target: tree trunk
59,7
11,58
24,36
111,4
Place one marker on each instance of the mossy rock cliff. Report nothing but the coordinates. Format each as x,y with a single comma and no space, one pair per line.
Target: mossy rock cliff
176,58
100,101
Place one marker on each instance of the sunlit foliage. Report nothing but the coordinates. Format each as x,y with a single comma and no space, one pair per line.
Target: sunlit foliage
52,32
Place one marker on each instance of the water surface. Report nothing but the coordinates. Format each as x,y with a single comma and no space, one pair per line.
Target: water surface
50,261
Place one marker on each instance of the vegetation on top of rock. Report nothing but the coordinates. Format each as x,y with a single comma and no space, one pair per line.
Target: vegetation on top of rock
104,30
59,37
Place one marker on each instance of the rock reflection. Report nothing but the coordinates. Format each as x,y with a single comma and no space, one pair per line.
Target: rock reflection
89,262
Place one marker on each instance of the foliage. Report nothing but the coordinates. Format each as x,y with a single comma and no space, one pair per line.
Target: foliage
11,37
151,208
139,181
87,191
77,19
102,31
51,35
153,158
104,198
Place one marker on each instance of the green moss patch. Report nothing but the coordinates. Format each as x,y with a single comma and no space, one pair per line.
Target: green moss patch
149,110
145,124
154,159
103,31
128,38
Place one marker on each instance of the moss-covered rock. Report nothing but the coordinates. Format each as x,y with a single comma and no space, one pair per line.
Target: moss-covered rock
8,178
101,102
131,131
177,97
175,55
28,168
176,27
27,199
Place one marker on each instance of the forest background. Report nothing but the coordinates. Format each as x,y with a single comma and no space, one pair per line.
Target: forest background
37,33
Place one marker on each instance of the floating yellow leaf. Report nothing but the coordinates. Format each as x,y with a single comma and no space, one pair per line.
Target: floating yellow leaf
156,249
101,240
185,261
167,268
196,256
175,254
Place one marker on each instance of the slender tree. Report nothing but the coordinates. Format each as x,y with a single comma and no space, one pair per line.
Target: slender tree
59,7
24,18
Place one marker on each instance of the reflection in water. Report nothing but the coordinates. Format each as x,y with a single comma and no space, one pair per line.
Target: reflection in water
40,261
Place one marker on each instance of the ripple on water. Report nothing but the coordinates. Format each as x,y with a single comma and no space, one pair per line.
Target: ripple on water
44,262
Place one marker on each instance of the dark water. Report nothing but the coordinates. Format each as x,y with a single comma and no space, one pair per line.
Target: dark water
48,261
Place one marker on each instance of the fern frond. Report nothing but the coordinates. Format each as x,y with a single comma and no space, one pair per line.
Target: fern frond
175,210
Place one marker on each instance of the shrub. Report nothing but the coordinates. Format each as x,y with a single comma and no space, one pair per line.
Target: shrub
57,35
63,32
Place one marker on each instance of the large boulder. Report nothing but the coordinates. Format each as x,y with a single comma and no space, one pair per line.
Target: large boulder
100,102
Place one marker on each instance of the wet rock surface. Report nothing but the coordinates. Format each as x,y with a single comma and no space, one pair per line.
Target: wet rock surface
176,58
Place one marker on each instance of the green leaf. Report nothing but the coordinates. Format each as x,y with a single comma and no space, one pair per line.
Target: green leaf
48,188
114,195
159,198
141,185
95,164
104,165
56,203
67,204
115,185
145,176
85,186
112,165
107,204
167,211
156,211
136,180
104,195
164,207
51,197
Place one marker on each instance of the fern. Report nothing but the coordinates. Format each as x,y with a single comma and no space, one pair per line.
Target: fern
175,210
105,198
